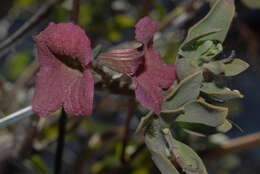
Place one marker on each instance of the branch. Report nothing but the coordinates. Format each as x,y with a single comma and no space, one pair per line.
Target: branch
61,140
131,107
33,21
234,146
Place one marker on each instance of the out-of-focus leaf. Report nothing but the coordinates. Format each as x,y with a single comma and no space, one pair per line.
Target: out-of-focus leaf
252,3
24,3
154,140
17,65
235,66
219,17
124,21
219,94
185,67
187,90
170,52
204,113
39,164
189,161
85,15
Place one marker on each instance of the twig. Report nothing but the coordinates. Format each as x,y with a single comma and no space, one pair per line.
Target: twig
75,11
233,146
34,20
131,106
61,140
119,169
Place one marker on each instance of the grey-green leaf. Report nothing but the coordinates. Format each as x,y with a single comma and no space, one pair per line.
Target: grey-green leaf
185,156
216,67
163,163
255,4
219,94
204,113
154,140
190,162
219,17
235,66
185,67
187,90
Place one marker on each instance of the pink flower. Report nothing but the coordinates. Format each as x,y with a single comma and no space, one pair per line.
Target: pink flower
153,75
64,80
144,65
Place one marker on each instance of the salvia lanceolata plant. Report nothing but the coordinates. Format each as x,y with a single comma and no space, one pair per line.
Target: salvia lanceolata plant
188,94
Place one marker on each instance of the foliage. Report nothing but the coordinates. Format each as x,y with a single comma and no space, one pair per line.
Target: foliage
194,102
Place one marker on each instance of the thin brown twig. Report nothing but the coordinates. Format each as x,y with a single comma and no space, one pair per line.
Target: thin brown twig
75,11
233,146
131,106
28,26
133,156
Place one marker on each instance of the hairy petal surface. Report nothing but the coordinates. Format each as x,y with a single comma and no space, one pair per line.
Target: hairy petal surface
66,39
58,84
145,29
122,60
79,95
154,76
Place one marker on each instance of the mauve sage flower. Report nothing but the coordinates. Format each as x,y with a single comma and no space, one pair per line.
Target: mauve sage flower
153,74
144,65
64,80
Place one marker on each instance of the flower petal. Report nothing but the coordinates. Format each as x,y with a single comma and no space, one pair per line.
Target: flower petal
66,39
161,73
122,60
151,78
79,95
51,85
145,29
148,94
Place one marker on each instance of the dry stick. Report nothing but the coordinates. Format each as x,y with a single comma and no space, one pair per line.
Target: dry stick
234,145
75,11
60,145
63,117
131,106
33,21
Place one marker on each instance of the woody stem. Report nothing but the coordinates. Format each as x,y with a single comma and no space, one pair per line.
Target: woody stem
60,142
75,11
